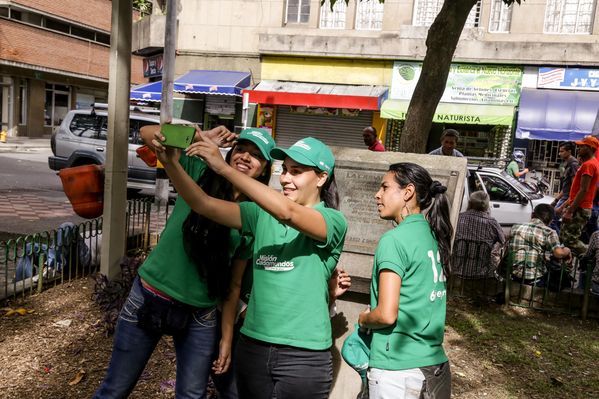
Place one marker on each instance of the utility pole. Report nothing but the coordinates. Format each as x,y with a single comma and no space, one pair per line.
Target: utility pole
166,103
115,183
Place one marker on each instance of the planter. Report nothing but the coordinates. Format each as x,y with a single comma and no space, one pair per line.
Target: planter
84,187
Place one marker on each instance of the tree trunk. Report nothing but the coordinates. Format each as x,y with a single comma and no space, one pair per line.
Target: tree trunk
441,42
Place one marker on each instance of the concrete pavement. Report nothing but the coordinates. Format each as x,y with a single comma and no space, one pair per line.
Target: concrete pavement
25,144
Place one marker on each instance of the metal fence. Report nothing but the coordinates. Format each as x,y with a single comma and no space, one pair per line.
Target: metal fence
33,262
560,288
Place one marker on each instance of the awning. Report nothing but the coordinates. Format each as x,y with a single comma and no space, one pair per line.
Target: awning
147,92
277,92
228,83
556,114
468,114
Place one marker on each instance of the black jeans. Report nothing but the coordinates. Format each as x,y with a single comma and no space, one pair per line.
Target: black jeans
266,371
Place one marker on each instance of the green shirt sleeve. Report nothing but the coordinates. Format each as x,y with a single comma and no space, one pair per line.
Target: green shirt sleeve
512,168
391,256
249,217
336,227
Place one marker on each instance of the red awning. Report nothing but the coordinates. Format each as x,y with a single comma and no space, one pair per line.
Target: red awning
318,95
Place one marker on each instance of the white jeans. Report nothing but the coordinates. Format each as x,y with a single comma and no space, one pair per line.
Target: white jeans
395,384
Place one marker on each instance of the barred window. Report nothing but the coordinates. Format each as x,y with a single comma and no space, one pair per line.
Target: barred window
425,12
298,11
333,19
369,15
501,16
569,16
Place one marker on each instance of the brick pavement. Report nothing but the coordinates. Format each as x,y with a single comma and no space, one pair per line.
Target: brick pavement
31,207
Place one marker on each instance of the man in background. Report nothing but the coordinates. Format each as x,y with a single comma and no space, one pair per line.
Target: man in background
371,139
577,210
449,142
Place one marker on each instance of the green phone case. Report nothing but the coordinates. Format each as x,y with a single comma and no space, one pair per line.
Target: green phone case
179,136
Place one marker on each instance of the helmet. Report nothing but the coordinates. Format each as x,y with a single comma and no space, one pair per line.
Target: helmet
518,156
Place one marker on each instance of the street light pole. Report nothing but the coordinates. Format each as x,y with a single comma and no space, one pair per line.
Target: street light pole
115,182
166,103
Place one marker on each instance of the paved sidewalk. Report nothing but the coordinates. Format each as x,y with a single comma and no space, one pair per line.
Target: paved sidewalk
25,144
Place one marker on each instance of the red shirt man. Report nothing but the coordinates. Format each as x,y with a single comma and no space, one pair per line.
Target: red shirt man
576,211
371,140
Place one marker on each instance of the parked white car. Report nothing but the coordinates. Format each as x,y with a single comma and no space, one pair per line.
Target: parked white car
511,201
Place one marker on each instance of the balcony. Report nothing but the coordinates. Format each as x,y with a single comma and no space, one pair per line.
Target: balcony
148,35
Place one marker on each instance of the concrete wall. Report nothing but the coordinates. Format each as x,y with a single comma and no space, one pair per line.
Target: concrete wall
247,28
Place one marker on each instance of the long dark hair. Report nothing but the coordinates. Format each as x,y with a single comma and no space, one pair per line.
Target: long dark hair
437,216
207,242
329,194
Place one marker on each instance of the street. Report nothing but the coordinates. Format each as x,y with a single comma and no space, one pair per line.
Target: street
31,196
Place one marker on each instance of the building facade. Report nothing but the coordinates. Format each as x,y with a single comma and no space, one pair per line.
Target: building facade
54,57
301,46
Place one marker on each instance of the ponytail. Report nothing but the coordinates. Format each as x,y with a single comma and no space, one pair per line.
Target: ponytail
429,194
438,218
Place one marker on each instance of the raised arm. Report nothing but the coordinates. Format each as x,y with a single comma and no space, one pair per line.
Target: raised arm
223,212
302,218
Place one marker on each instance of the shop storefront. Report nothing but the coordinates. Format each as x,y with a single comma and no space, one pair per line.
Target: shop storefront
333,113
209,98
479,101
557,105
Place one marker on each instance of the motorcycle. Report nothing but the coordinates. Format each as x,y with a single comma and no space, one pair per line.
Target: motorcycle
537,182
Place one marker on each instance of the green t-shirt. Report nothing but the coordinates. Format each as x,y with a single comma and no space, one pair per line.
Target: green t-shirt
168,268
416,339
289,300
512,169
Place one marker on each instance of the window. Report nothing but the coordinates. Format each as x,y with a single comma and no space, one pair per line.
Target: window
369,15
333,19
57,104
501,16
499,190
569,16
425,12
298,11
87,125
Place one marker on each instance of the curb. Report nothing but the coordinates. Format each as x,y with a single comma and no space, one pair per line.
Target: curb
21,148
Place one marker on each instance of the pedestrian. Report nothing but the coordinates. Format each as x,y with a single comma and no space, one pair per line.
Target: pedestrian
516,167
577,210
408,290
298,237
371,139
567,171
449,142
185,275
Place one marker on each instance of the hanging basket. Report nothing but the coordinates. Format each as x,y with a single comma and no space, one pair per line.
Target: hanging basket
84,187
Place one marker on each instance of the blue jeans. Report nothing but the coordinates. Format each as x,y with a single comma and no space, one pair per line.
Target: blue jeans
266,371
133,346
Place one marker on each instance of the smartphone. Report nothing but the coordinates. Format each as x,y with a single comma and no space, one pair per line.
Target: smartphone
179,136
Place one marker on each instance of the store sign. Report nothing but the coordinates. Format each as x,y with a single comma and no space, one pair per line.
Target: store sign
466,83
568,78
152,66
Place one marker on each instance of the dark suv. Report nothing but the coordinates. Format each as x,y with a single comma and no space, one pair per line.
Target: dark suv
81,140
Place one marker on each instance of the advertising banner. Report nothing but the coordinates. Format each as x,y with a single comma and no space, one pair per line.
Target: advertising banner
466,83
152,66
568,78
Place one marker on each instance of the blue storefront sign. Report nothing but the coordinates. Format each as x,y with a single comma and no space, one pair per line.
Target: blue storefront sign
568,78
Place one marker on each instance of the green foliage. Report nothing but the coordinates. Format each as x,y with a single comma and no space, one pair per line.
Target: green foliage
143,6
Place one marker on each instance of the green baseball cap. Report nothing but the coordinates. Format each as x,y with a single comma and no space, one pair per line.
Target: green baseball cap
261,138
356,350
310,152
